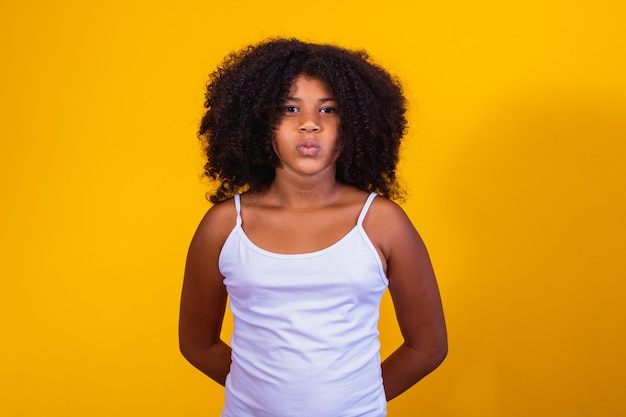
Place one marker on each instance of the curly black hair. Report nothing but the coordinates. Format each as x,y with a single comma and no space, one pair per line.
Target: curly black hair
244,101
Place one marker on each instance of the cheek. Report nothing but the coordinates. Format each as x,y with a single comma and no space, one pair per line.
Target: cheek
276,146
338,150
339,143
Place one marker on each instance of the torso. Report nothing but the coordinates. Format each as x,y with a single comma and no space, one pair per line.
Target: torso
281,229
305,311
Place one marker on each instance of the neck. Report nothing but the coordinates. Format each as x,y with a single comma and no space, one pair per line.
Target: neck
304,193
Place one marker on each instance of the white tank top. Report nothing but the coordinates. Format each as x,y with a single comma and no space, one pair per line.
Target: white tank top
305,340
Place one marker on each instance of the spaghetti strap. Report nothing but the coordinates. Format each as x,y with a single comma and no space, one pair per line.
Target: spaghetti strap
365,208
238,208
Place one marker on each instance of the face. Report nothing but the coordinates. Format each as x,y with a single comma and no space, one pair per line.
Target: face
305,140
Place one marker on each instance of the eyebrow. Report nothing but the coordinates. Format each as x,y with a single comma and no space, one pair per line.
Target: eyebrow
321,100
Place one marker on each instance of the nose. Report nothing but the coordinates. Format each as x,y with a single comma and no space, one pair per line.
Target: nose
309,124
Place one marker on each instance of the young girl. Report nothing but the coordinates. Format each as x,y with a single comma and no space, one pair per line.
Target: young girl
302,140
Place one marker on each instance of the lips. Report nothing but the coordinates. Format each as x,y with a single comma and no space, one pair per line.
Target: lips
308,148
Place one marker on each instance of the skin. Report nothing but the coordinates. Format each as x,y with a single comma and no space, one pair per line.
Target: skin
305,197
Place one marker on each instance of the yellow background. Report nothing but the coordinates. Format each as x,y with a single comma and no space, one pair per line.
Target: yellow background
515,164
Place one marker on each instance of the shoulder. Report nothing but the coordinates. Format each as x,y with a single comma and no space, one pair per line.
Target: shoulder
216,225
388,213
388,225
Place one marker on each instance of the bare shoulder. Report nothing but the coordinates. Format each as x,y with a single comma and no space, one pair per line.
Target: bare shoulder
216,224
387,207
389,226
387,216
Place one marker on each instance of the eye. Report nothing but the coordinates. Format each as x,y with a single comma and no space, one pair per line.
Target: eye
328,109
291,109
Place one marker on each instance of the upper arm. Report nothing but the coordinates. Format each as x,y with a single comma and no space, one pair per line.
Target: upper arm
203,299
412,283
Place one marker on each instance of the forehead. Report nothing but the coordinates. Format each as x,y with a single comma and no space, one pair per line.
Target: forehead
305,85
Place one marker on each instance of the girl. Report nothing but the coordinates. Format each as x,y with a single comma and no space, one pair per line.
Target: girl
302,140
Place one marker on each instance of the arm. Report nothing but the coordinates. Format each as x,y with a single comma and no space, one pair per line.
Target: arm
203,300
416,299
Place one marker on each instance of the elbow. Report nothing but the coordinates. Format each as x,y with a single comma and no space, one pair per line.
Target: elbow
192,353
189,344
187,347
440,353
427,357
185,350
439,347
435,355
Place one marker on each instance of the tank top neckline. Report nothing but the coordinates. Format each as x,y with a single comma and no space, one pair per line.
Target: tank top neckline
357,228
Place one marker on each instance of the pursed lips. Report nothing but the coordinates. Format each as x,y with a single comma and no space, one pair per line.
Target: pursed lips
308,147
